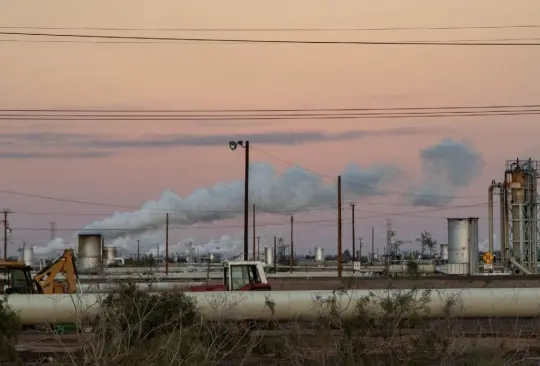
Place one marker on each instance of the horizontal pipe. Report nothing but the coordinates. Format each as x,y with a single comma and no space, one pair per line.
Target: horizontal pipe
216,306
108,287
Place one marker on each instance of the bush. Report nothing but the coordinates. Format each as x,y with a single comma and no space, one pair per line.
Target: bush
9,327
136,328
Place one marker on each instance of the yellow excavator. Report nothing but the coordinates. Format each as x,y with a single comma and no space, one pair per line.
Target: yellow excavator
16,277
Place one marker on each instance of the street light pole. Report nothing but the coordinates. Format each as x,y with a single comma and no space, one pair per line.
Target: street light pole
245,144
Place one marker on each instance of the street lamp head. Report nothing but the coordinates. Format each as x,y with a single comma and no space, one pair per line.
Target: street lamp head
234,144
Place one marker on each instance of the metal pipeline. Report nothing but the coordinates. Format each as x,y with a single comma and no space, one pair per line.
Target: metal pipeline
505,250
490,214
286,305
144,287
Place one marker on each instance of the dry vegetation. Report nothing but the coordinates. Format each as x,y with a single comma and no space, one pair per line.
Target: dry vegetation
135,328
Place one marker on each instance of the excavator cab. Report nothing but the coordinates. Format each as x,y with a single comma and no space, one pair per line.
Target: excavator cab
16,278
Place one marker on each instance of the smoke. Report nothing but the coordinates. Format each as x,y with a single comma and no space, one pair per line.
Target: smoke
447,166
294,190
53,246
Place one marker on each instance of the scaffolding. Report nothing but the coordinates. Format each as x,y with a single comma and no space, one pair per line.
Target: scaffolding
521,211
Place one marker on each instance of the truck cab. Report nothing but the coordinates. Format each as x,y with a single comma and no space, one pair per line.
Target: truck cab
240,276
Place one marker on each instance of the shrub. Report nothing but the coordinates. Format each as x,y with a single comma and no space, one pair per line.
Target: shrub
9,327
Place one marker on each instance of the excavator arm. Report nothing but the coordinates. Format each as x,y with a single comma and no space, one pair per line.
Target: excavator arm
46,278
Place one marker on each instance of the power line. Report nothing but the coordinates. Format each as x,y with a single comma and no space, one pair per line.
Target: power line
510,26
270,41
268,224
276,110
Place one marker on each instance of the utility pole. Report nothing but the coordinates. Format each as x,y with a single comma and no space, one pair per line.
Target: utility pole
361,244
339,254
245,144
353,234
388,236
291,261
258,248
275,254
6,211
167,243
372,244
254,254
138,250
53,230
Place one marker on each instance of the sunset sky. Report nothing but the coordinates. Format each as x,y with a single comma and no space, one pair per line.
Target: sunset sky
127,163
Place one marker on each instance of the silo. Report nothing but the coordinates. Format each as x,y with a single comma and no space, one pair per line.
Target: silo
319,254
444,252
89,251
463,254
268,256
109,253
28,256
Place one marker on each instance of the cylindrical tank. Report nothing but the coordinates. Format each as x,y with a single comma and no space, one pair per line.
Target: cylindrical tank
28,256
89,251
319,254
109,253
375,256
463,243
268,255
212,257
444,252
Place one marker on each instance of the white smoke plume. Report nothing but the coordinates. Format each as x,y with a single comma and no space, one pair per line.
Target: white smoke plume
294,190
447,166
53,246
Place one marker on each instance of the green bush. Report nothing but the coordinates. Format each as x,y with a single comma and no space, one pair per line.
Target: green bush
10,325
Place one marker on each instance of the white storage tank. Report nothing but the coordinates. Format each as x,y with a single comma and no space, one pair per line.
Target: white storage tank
463,244
109,253
444,252
269,256
319,254
89,251
28,256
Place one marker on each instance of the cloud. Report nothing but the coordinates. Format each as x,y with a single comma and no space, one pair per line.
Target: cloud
99,146
447,166
52,155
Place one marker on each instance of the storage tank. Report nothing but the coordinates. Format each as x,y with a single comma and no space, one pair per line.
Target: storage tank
319,254
444,252
28,256
109,253
89,251
463,257
268,256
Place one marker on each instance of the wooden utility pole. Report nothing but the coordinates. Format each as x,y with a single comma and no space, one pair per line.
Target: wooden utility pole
254,232
138,250
6,211
339,254
372,244
166,243
275,254
258,248
353,234
291,259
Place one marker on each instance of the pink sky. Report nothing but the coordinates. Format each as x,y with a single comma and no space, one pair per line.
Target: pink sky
167,76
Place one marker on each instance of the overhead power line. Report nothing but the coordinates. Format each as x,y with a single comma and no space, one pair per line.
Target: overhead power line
267,41
270,110
277,223
508,26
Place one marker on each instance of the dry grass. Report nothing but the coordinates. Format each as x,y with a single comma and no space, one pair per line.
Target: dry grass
143,329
